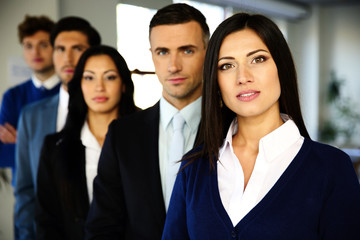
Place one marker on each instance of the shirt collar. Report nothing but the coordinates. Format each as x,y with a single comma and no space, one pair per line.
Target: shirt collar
191,113
279,140
88,139
273,143
228,139
63,98
48,83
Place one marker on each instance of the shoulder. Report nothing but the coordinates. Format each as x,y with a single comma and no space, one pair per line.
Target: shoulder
54,140
50,143
42,104
16,90
328,160
59,144
326,152
194,163
137,119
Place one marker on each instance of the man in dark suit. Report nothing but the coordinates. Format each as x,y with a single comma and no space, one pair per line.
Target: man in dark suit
132,188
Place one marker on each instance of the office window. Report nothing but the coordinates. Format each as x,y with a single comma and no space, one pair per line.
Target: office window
214,14
133,45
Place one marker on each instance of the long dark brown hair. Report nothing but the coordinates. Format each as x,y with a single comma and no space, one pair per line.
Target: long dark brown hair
77,116
216,117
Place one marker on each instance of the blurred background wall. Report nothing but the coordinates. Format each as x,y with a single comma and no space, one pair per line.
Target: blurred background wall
324,36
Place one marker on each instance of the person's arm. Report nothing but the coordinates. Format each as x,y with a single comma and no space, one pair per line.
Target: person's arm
8,118
48,214
340,217
24,186
107,215
7,133
175,224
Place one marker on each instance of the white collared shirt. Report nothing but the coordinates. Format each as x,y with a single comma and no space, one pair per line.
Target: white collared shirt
62,109
192,114
92,155
276,151
48,83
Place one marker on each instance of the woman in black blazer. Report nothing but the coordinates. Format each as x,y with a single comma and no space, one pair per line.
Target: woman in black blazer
100,91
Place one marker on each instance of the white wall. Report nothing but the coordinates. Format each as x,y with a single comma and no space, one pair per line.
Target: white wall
12,12
303,38
100,14
328,40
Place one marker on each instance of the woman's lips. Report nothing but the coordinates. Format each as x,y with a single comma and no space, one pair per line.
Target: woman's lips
37,60
100,99
247,96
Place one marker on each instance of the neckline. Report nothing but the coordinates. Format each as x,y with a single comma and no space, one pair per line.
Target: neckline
268,198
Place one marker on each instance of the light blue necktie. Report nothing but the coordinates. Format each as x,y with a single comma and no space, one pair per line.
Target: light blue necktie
176,152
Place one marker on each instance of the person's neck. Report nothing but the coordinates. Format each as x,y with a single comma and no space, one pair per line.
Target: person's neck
64,86
252,129
99,123
43,76
181,103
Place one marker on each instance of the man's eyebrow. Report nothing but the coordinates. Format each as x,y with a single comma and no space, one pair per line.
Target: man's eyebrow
187,47
78,46
161,49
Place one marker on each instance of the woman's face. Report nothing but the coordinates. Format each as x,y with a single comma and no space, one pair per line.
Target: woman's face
247,75
101,85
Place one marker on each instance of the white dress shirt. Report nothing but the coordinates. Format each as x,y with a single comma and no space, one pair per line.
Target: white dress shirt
48,83
62,109
92,155
276,151
192,114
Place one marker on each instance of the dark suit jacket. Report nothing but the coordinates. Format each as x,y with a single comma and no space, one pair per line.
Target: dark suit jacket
128,201
62,196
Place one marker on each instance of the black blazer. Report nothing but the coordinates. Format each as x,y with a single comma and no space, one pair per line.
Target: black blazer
62,196
128,201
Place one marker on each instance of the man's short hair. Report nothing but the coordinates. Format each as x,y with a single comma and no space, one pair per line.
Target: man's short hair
180,13
76,24
33,24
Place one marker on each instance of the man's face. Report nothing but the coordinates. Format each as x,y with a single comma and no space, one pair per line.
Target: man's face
68,47
178,53
38,52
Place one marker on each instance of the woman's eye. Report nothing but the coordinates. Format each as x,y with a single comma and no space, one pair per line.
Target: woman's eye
112,77
259,59
87,78
226,66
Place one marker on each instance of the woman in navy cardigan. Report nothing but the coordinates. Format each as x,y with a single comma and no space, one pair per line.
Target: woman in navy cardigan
100,91
255,173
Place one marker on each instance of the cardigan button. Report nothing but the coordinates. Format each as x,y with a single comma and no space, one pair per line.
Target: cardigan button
233,234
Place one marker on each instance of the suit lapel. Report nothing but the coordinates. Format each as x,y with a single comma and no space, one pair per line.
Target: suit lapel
153,168
50,114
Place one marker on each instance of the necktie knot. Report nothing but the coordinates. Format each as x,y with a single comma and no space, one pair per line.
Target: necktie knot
178,122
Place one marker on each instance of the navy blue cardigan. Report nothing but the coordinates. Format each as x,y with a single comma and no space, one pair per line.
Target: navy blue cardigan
317,197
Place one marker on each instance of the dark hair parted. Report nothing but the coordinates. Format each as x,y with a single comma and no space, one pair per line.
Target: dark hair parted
76,24
215,118
180,13
77,105
33,24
